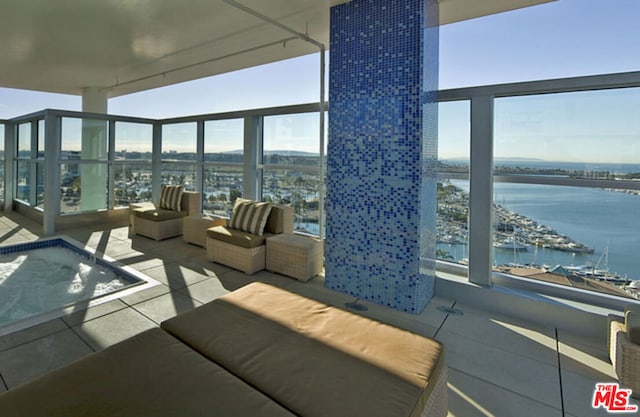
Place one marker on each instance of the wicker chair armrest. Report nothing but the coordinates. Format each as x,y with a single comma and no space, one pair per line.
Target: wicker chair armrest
627,364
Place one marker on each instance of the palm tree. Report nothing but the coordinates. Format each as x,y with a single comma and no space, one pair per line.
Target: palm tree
444,255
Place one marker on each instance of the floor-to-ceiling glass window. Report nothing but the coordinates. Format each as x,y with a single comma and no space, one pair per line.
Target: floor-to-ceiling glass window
566,169
179,151
132,163
2,156
84,168
561,159
453,182
40,180
223,165
291,160
24,162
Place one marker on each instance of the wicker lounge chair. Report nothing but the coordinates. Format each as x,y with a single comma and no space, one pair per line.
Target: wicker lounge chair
624,349
156,222
243,250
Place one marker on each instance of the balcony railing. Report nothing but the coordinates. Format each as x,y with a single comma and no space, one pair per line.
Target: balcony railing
95,162
540,180
504,185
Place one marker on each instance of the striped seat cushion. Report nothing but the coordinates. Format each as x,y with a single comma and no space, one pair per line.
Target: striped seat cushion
249,216
171,197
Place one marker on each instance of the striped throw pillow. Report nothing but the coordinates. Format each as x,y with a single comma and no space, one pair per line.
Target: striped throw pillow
249,216
171,197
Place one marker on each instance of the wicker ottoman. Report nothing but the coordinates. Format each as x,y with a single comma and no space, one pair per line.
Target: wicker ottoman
296,256
194,228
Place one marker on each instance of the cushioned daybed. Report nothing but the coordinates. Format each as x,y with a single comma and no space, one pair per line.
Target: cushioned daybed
152,374
259,351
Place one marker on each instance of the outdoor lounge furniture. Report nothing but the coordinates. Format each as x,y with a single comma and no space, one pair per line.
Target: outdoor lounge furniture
244,250
258,351
151,374
296,256
163,220
194,228
624,349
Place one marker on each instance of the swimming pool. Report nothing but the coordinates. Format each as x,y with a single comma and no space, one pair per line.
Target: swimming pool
51,277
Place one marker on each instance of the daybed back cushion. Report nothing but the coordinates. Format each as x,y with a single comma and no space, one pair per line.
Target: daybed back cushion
315,359
171,197
151,374
249,216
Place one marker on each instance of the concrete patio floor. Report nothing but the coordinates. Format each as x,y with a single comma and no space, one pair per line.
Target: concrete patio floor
497,366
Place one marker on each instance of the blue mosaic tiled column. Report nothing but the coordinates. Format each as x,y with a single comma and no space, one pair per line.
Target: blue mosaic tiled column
381,194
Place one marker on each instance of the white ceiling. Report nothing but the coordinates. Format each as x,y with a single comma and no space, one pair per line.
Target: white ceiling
131,45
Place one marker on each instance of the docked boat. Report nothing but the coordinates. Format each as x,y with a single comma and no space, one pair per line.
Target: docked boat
602,275
510,243
451,240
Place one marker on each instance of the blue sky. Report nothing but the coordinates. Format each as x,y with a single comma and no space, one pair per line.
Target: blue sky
558,39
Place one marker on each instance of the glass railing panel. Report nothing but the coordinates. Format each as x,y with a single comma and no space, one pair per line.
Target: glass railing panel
179,173
291,174
40,176
131,182
84,182
2,161
40,183
567,169
576,236
28,187
298,189
23,180
452,231
222,185
75,195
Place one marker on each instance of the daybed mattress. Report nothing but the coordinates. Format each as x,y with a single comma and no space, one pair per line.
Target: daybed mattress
151,374
315,359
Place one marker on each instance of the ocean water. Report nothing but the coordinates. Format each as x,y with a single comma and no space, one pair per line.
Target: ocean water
605,220
571,166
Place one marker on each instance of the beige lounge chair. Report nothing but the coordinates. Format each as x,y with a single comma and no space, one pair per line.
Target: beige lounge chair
151,221
246,251
624,349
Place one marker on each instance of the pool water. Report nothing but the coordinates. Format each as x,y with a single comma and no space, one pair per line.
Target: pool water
36,280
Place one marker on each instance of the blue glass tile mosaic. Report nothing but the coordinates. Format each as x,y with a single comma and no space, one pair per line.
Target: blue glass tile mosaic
381,151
